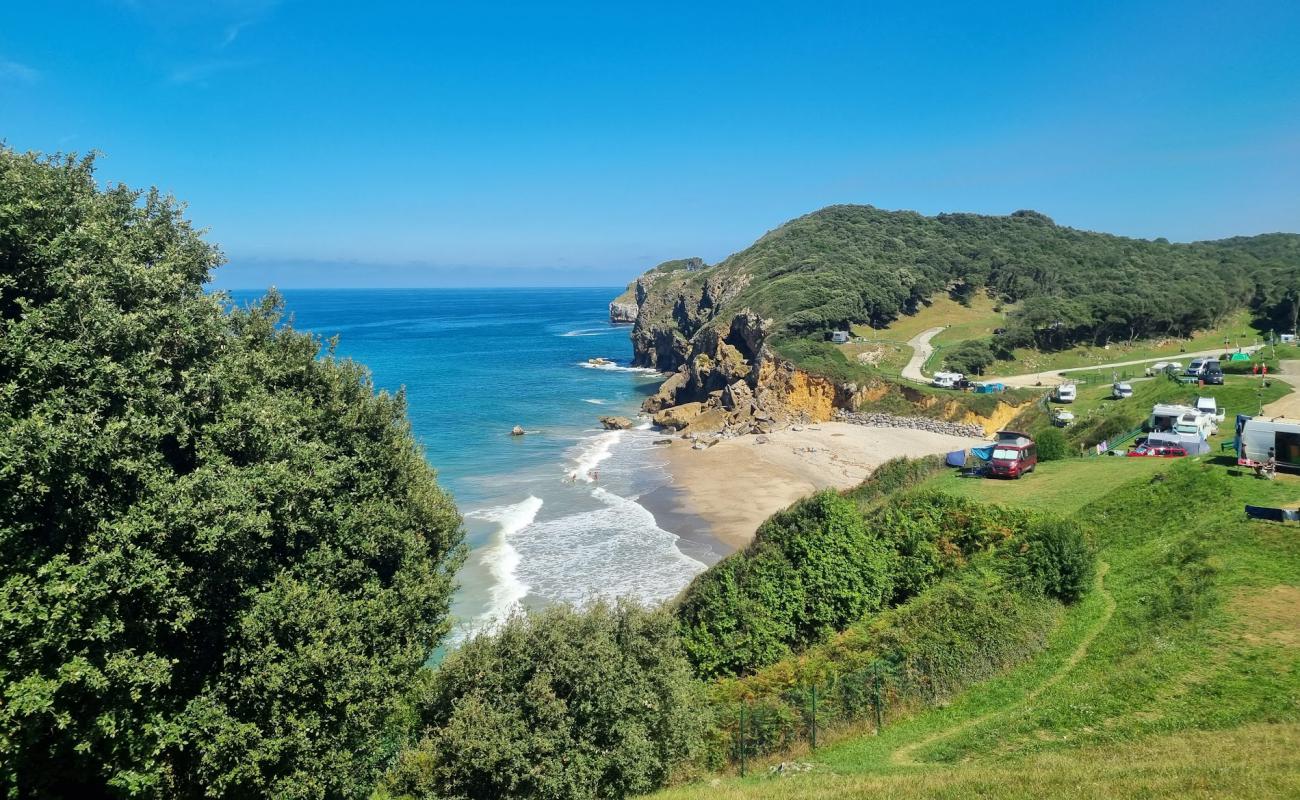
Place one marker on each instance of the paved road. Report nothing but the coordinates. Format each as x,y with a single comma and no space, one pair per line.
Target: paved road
1053,377
921,350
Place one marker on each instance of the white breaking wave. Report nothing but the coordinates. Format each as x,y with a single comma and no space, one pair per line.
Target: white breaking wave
611,367
595,402
616,550
589,332
501,559
593,451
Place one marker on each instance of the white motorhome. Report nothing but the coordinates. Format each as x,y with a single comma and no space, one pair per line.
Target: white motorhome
946,380
1208,405
1181,419
1065,393
1282,435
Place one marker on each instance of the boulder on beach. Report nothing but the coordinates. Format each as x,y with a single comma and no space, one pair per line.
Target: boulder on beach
517,430
616,423
678,417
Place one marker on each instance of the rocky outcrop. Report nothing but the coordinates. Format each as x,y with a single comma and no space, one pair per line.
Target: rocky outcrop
678,417
622,311
615,423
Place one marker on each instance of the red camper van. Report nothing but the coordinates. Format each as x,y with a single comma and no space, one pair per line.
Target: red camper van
1014,454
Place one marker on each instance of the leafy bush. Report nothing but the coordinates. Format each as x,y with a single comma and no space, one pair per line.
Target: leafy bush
557,705
933,535
971,357
961,630
811,570
223,557
1053,559
1052,444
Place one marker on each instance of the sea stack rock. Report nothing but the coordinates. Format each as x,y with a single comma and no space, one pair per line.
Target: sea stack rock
517,430
616,423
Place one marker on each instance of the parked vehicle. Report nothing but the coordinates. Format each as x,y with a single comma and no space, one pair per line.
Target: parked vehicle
1182,419
1197,368
1213,376
1157,451
947,380
1062,418
1258,435
1014,454
1210,407
1163,367
1121,391
1065,393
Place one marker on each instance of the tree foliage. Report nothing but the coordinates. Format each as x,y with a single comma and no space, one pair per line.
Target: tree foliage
1052,444
222,557
845,265
557,705
811,570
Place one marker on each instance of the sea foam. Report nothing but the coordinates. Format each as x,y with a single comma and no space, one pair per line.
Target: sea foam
611,367
591,452
501,559
615,550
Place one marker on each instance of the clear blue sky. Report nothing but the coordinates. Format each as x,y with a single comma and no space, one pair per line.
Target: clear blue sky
330,143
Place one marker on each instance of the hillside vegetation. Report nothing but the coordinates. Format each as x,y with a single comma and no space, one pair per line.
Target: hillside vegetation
1048,288
1176,675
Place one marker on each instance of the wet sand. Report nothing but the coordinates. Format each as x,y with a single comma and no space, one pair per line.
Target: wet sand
738,483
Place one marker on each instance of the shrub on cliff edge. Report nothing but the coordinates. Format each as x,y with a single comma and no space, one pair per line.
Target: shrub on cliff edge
557,705
812,569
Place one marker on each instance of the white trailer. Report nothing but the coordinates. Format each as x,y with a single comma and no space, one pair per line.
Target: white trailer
1259,435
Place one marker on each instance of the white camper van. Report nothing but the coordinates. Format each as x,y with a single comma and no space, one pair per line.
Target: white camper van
1065,393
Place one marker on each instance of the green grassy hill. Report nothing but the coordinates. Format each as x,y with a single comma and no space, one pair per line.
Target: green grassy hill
1178,675
1014,294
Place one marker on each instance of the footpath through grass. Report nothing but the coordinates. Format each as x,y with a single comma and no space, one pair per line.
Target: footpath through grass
1190,688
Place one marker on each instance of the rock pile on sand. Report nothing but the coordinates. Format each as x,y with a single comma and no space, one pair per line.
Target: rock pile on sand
877,420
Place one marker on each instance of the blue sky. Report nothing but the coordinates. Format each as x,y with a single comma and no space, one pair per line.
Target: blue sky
382,144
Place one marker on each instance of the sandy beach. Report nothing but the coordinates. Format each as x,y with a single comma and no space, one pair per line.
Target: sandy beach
738,483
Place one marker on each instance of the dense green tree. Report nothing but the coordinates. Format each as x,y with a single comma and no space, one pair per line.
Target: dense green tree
971,357
557,705
222,556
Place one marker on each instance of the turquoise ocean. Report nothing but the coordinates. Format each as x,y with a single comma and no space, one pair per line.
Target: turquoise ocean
568,512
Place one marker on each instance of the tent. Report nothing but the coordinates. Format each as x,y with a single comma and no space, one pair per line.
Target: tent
1239,357
957,458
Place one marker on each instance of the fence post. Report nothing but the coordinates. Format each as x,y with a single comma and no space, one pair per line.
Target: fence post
814,716
880,712
742,740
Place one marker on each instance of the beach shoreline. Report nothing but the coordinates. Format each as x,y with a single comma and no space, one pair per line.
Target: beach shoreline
738,483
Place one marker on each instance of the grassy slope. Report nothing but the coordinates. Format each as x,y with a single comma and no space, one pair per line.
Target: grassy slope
1239,394
1130,704
960,322
1237,330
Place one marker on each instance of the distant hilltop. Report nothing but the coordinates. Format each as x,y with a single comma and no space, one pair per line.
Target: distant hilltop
764,316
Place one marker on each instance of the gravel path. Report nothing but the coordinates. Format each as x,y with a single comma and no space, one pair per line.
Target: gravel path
921,350
1053,377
